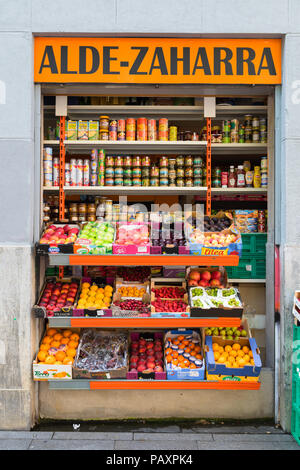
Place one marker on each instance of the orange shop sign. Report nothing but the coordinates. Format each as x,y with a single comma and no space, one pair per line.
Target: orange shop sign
157,60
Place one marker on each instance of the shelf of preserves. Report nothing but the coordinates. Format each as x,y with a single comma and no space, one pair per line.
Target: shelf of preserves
141,260
146,322
253,149
150,385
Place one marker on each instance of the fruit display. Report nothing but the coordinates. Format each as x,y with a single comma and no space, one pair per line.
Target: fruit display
216,224
57,295
146,356
58,347
169,306
213,240
206,277
131,291
233,333
93,296
132,235
130,307
183,355
134,274
215,297
59,234
169,292
233,356
101,354
95,238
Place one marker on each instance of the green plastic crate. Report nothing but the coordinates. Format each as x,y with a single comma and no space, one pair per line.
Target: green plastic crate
295,423
254,244
295,416
248,268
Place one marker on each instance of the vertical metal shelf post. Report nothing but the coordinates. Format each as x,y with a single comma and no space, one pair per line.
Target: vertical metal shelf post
208,166
62,154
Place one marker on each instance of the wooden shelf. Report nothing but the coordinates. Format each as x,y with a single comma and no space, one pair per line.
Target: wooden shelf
83,384
141,260
121,322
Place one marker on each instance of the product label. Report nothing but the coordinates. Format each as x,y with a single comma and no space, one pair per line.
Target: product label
214,251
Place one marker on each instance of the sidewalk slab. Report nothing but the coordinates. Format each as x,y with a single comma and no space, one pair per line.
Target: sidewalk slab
25,435
69,444
233,430
100,436
157,445
158,429
172,437
249,446
252,438
15,444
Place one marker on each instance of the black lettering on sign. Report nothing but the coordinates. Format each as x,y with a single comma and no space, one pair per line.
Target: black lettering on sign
158,53
138,61
64,61
82,59
240,59
185,59
201,54
267,54
225,60
107,60
48,54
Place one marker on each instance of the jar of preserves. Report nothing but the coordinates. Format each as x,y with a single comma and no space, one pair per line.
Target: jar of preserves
180,172
188,161
109,172
180,161
172,173
188,135
104,135
127,181
198,182
119,181
119,161
154,171
154,181
127,172
248,135
164,182
73,208
146,162
91,208
188,172
255,123
180,182
216,182
104,123
180,135
146,181
136,181
248,120
197,172
163,162
171,163
74,218
189,182
145,172
127,161
110,160
136,171
119,171
255,136
82,208
163,172
172,181
198,162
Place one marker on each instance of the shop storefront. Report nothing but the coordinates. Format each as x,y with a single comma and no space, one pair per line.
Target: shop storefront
156,121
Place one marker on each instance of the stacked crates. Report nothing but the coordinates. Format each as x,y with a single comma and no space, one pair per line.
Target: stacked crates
252,264
295,421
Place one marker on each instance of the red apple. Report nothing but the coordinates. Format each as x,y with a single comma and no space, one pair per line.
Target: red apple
216,275
195,275
215,283
150,345
150,365
141,368
192,283
203,284
205,276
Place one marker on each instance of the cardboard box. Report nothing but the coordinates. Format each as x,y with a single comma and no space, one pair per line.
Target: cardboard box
83,130
91,311
161,282
221,370
135,336
41,312
244,325
296,306
164,250
120,373
71,130
185,374
93,130
54,248
132,249
83,246
117,312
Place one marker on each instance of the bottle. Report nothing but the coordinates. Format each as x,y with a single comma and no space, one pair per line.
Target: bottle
240,177
231,178
257,177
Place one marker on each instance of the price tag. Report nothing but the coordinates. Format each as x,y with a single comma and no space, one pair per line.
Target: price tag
108,376
100,313
248,267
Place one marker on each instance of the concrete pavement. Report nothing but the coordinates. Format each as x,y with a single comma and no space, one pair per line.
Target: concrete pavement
171,437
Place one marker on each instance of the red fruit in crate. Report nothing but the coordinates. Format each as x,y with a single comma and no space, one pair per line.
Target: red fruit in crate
141,368
216,275
205,276
142,361
134,369
150,365
157,347
142,342
66,228
150,352
134,345
195,275
74,284
203,283
215,283
151,358
193,282
142,350
158,369
159,355
150,345
134,358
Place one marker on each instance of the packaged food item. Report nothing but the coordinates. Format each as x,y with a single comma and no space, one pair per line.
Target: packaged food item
232,177
152,129
173,133
240,177
103,135
163,129
93,130
257,177
249,179
71,130
104,123
130,129
86,172
141,129
83,130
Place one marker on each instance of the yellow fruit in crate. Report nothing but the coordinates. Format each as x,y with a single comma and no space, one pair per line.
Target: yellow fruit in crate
106,300
68,361
222,359
55,344
60,356
215,347
236,346
235,365
64,341
227,348
231,359
217,355
101,290
245,349
108,288
100,295
86,284
247,358
71,352
58,363
67,333
250,353
228,364
50,360
42,355
233,353
241,362
252,362
240,353
45,347
73,344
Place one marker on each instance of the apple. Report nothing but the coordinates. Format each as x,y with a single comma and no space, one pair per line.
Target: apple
158,369
150,365
159,355
192,282
215,283
203,283
205,276
195,275
141,368
216,275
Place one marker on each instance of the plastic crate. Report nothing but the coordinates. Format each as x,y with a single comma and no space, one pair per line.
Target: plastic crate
295,423
254,244
248,268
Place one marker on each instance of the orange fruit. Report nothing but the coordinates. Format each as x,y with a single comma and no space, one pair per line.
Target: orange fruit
247,358
44,347
68,361
58,363
228,364
42,355
169,358
67,333
198,349
250,353
47,339
191,346
187,350
175,354
233,353
180,338
168,351
231,359
51,331
245,349
236,346
65,341
199,356
57,337
193,366
55,344
241,362
252,362
175,362
50,360
73,344
221,349
74,337
215,347
193,353
222,359
240,353
186,343
180,358
217,355
235,365
228,348
182,365
60,356
71,352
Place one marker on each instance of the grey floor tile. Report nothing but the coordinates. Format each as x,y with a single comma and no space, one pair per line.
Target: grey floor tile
100,436
232,429
25,435
248,446
253,438
15,444
156,445
71,445
171,437
158,429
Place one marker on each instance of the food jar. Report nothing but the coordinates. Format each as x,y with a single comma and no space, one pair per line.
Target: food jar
164,182
145,172
127,172
164,172
198,182
91,208
136,181
154,181
163,161
188,172
198,161
216,172
119,172
188,161
180,160
146,181
82,208
127,161
180,172
127,181
119,181
136,172
255,123
172,173
119,161
255,137
104,123
146,162
188,135
248,120
197,172
189,182
180,182
136,161
104,135
154,171
109,172
216,182
110,161
171,163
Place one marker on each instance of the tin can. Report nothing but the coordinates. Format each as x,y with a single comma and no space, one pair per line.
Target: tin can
67,174
73,172
55,175
119,172
264,179
119,181
163,129
141,129
263,125
48,179
163,172
104,123
224,179
109,181
94,179
255,136
255,123
127,181
136,172
79,172
127,172
136,181
130,129
145,181
101,156
173,133
109,172
154,181
234,125
263,137
234,137
164,182
121,125
151,129
112,135
226,126
101,180
86,173
198,182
